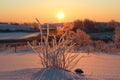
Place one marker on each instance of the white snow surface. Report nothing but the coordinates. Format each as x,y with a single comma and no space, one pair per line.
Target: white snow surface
17,35
25,65
14,27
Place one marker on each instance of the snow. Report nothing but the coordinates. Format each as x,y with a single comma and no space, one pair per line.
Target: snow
26,66
102,36
17,35
18,61
15,27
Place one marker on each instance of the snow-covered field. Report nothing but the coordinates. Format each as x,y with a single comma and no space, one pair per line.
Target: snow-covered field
24,64
102,36
17,35
15,27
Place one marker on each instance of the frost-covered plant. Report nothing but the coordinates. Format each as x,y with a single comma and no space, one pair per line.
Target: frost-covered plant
79,37
101,46
82,40
55,53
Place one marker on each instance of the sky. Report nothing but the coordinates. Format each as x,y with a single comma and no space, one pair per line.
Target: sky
46,10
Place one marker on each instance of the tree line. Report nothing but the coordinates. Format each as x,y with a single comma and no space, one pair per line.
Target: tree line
91,26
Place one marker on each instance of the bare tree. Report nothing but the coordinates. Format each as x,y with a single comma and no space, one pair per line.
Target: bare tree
89,25
79,37
77,24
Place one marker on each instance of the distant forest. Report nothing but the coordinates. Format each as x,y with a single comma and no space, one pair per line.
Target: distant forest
90,26
87,25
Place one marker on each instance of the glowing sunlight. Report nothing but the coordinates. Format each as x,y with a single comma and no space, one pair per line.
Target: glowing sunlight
60,15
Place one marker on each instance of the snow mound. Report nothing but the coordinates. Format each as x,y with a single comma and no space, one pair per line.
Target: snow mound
57,74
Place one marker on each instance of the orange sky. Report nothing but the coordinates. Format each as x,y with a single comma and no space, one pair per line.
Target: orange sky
46,10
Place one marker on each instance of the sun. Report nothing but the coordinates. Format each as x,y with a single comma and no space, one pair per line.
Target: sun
60,15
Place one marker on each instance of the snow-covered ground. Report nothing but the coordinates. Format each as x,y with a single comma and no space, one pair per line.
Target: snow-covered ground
102,35
17,35
15,27
24,64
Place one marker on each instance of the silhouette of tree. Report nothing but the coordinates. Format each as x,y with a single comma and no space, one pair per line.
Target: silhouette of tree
89,25
35,25
77,24
112,24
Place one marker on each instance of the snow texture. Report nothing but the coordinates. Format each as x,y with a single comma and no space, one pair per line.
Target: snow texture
17,35
15,27
26,66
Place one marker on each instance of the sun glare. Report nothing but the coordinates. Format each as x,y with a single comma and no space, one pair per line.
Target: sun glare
60,15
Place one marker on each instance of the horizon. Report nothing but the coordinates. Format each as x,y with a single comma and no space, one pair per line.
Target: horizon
27,10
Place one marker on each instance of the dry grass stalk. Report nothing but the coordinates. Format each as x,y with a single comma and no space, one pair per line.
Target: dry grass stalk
57,54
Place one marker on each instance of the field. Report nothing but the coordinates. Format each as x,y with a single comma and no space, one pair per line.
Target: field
23,64
19,62
59,40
